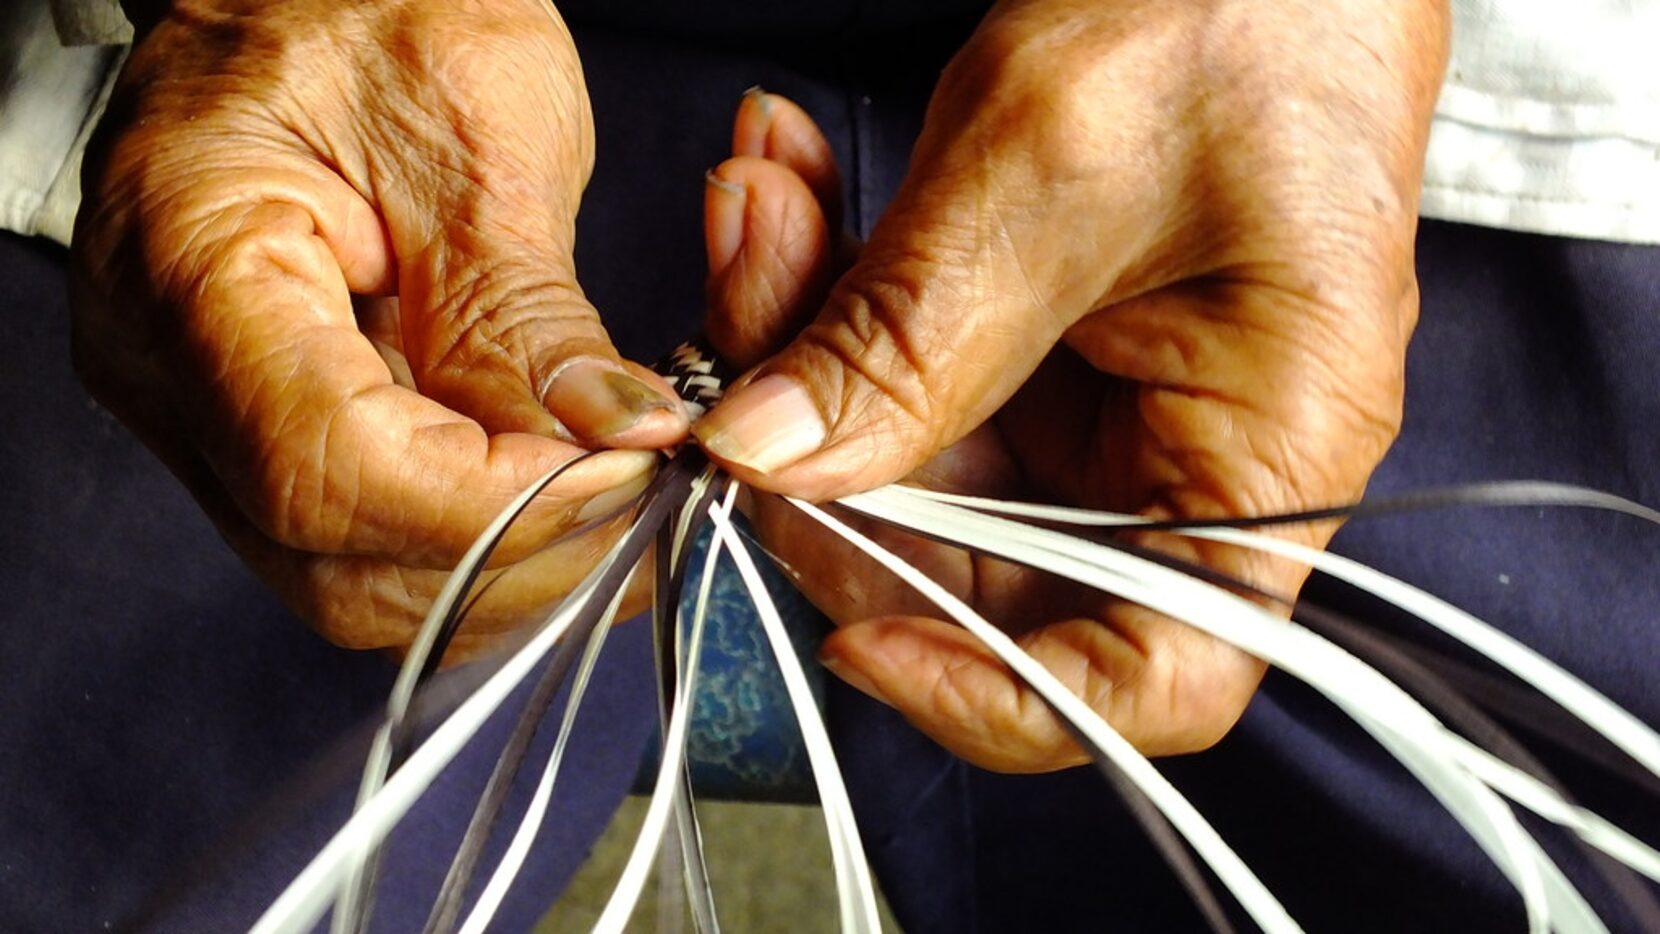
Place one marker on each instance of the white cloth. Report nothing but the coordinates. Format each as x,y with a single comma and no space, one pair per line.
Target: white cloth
91,22
1549,120
50,97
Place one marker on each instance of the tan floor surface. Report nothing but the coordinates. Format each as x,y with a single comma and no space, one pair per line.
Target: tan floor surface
769,865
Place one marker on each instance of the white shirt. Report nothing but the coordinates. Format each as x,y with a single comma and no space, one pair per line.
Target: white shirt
51,94
1549,120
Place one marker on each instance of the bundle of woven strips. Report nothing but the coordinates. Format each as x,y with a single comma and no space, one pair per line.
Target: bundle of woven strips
1471,765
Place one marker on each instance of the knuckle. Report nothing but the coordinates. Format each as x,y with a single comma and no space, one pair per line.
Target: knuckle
464,62
1039,83
958,694
1015,732
878,360
1333,398
247,243
514,313
285,498
306,475
1184,692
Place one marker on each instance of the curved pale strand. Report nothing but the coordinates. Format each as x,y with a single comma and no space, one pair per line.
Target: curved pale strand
403,688
625,896
1566,904
1536,493
308,895
1591,706
856,891
518,848
1567,909
695,894
1251,894
1542,800
1300,652
1376,702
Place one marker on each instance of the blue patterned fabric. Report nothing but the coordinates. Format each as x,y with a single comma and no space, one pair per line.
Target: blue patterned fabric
744,742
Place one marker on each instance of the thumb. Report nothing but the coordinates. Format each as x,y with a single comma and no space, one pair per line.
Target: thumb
932,329
499,330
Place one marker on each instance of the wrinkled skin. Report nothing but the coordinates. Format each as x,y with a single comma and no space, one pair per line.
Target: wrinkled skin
1149,257
323,268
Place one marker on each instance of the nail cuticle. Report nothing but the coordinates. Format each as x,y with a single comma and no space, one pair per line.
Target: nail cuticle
595,398
759,94
731,188
770,424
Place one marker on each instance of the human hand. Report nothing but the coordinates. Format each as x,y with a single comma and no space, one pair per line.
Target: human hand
323,268
1149,257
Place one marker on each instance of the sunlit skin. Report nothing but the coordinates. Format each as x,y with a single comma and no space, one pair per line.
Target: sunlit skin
1150,256
324,271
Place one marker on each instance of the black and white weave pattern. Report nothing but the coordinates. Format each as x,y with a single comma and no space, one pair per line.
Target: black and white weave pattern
696,373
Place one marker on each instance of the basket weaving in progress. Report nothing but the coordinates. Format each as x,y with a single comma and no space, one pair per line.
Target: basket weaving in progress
1108,465
1476,769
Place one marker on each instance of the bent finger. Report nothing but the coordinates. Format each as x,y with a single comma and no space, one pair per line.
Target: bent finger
496,327
775,128
1171,698
769,257
305,427
928,333
371,603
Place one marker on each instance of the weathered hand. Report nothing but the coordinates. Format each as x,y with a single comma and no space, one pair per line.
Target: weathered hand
323,268
1149,257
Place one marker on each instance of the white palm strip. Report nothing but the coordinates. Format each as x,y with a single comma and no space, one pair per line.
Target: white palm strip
1251,894
625,896
403,688
1385,710
1542,800
1585,702
1502,776
856,892
518,848
1566,908
1592,707
308,896
695,892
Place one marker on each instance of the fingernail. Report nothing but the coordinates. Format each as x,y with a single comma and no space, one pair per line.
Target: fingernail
854,677
759,95
752,124
596,399
766,425
724,227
